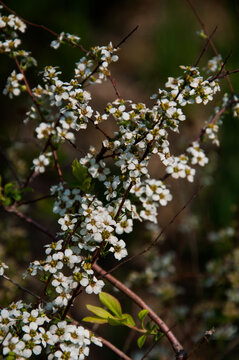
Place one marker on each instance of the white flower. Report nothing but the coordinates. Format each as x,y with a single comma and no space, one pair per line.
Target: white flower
94,286
119,250
125,225
3,266
67,223
40,163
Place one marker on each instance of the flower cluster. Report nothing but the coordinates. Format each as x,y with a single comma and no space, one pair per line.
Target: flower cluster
26,333
13,86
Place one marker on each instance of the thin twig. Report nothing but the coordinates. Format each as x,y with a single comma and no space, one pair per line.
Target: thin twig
210,40
57,165
99,128
29,90
114,86
12,209
204,339
205,47
20,286
34,200
156,240
117,351
127,36
217,76
149,350
10,166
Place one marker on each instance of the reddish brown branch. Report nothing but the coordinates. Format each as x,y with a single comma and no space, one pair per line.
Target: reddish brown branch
57,164
114,86
117,351
29,90
161,324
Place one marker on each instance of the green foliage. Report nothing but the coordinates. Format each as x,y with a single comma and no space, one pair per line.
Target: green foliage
80,172
117,318
111,303
141,316
99,311
9,193
141,341
11,356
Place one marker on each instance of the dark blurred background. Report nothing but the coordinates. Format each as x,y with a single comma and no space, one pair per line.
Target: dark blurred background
165,39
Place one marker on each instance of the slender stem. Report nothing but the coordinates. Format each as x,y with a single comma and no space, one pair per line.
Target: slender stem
149,350
205,47
12,209
204,339
20,286
117,351
29,90
99,128
210,40
11,166
57,164
128,292
34,200
123,200
114,86
127,36
156,240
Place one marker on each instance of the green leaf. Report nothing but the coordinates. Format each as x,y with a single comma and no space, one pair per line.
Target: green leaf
128,320
80,172
158,336
95,320
111,303
141,341
102,313
11,356
115,322
141,316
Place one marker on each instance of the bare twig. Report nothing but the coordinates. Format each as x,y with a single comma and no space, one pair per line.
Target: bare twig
10,166
57,164
117,351
20,286
217,76
205,47
29,89
12,209
127,36
156,240
204,339
210,40
149,350
34,200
